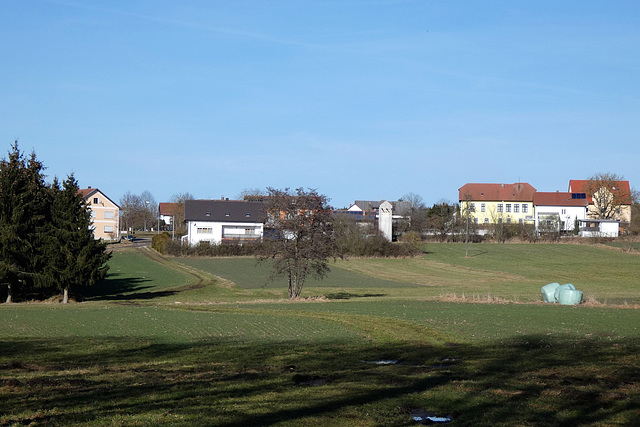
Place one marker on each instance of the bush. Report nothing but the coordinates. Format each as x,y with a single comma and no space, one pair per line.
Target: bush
159,242
375,246
176,248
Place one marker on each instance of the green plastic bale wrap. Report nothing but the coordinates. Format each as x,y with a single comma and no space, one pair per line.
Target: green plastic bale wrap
570,297
560,288
548,292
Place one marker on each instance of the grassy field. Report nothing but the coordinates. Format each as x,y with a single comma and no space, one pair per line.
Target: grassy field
511,271
202,342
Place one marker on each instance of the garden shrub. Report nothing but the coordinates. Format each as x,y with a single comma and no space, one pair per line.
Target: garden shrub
159,242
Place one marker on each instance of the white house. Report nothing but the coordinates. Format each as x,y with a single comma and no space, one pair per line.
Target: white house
559,211
218,221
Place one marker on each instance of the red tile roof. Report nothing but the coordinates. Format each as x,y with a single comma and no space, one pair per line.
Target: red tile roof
581,185
169,208
557,199
517,192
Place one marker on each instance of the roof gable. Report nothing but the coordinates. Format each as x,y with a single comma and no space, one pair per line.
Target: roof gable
581,186
88,193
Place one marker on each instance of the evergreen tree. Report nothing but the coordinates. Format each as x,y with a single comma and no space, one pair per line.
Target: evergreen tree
22,218
76,258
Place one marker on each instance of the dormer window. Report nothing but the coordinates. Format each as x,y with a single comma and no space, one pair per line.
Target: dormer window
207,214
247,214
227,214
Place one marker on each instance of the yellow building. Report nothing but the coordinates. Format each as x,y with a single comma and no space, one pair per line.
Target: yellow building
497,203
105,214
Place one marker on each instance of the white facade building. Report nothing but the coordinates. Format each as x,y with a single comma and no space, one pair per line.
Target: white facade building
220,221
558,211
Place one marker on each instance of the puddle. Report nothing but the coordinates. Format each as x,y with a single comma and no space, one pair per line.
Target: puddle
427,418
381,362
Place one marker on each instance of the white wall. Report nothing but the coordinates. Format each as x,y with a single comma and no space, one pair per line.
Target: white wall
607,228
215,235
567,214
385,220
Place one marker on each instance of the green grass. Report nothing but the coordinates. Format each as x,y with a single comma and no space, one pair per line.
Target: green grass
509,271
170,344
514,271
247,273
134,276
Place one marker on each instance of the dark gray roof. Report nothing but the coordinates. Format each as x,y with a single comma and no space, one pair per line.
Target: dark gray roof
224,211
399,208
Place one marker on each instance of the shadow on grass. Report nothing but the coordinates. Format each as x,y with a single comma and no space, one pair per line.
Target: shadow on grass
529,381
116,288
349,295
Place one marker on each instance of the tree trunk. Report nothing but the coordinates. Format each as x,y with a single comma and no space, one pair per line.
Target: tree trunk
65,296
290,286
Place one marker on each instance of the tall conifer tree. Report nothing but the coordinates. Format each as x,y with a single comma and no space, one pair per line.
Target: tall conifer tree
76,258
22,219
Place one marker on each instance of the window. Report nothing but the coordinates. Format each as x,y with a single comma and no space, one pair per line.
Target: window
204,230
508,207
516,208
108,228
564,211
92,214
486,220
525,208
472,207
521,221
483,207
95,200
475,220
509,220
109,214
499,207
249,231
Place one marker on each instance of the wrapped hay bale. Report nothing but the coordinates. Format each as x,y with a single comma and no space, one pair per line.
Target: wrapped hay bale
548,292
569,297
561,287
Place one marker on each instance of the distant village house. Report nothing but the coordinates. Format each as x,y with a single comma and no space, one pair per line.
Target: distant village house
105,214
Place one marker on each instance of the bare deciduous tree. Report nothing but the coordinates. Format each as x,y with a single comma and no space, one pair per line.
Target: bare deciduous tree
300,236
179,226
608,195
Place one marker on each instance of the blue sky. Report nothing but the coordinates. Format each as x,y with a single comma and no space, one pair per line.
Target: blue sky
360,99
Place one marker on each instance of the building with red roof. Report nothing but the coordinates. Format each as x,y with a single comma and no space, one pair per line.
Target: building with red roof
498,203
611,201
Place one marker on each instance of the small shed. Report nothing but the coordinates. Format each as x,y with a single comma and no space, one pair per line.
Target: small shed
599,227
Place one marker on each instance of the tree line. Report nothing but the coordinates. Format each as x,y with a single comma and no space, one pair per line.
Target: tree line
47,246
